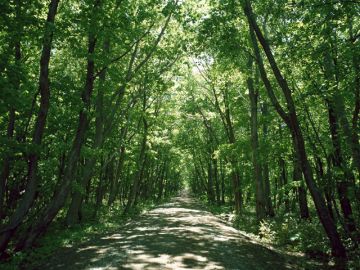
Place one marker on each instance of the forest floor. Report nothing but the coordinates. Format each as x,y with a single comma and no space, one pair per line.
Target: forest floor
180,234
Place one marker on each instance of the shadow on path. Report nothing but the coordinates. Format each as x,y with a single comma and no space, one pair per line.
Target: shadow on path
176,235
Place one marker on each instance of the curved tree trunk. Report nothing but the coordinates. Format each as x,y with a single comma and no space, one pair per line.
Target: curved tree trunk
291,119
65,183
44,88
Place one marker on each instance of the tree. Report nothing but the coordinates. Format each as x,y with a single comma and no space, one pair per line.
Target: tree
292,121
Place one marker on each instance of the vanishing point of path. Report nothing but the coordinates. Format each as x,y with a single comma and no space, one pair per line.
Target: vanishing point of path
176,235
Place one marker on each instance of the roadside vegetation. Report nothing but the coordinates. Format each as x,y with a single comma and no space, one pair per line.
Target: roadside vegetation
106,105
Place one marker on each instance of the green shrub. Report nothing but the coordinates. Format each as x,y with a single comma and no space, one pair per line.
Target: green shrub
266,231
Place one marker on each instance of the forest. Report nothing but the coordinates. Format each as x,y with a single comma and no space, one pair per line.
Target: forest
112,107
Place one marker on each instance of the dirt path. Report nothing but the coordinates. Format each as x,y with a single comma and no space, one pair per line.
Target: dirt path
176,235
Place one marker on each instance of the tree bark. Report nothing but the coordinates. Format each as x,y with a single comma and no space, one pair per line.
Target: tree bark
228,126
161,181
343,181
259,187
297,176
134,189
216,180
336,112
60,196
222,175
11,124
338,249
356,111
74,212
284,182
40,123
118,176
210,183
267,190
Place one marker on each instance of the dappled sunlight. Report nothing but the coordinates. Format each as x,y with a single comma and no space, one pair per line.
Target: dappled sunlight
177,235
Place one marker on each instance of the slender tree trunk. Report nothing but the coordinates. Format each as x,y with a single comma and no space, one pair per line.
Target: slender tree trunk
222,175
297,176
11,124
355,117
276,194
141,178
202,175
134,189
74,211
60,197
259,187
337,104
228,126
267,190
328,189
210,183
216,180
351,140
161,181
114,192
342,183
336,113
104,180
338,249
284,182
235,177
44,87
235,172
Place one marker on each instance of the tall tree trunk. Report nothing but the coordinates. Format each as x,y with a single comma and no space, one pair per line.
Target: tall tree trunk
74,212
297,176
355,116
210,183
118,176
338,106
134,189
235,177
11,124
328,189
336,112
222,175
342,182
235,171
161,181
44,88
291,119
267,190
141,178
104,179
216,180
351,140
259,187
60,196
284,182
228,126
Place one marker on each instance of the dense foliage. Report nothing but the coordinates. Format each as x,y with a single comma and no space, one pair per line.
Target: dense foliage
113,103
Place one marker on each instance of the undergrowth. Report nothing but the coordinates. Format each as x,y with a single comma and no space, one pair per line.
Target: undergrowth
288,233
108,220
